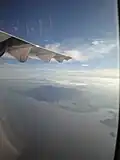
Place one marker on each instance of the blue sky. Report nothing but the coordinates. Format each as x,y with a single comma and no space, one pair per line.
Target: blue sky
81,28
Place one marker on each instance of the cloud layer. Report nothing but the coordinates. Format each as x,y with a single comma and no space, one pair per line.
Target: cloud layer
95,49
93,53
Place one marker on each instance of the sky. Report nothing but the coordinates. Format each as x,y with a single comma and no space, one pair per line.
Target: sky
85,30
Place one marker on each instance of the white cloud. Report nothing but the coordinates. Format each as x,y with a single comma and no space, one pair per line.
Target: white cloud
95,42
55,47
77,55
19,71
101,50
85,65
104,47
84,52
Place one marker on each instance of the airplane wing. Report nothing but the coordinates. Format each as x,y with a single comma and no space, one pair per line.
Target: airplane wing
22,50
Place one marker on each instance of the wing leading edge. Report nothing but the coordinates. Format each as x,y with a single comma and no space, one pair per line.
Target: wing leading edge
22,50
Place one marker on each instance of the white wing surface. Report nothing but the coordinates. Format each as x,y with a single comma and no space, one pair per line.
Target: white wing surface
21,49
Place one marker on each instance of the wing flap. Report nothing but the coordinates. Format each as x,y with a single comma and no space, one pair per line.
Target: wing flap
61,58
47,55
20,53
46,58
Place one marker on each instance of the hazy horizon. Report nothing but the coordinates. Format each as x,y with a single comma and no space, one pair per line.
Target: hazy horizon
62,113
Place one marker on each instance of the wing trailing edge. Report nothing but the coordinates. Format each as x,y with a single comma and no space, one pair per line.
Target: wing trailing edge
21,49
